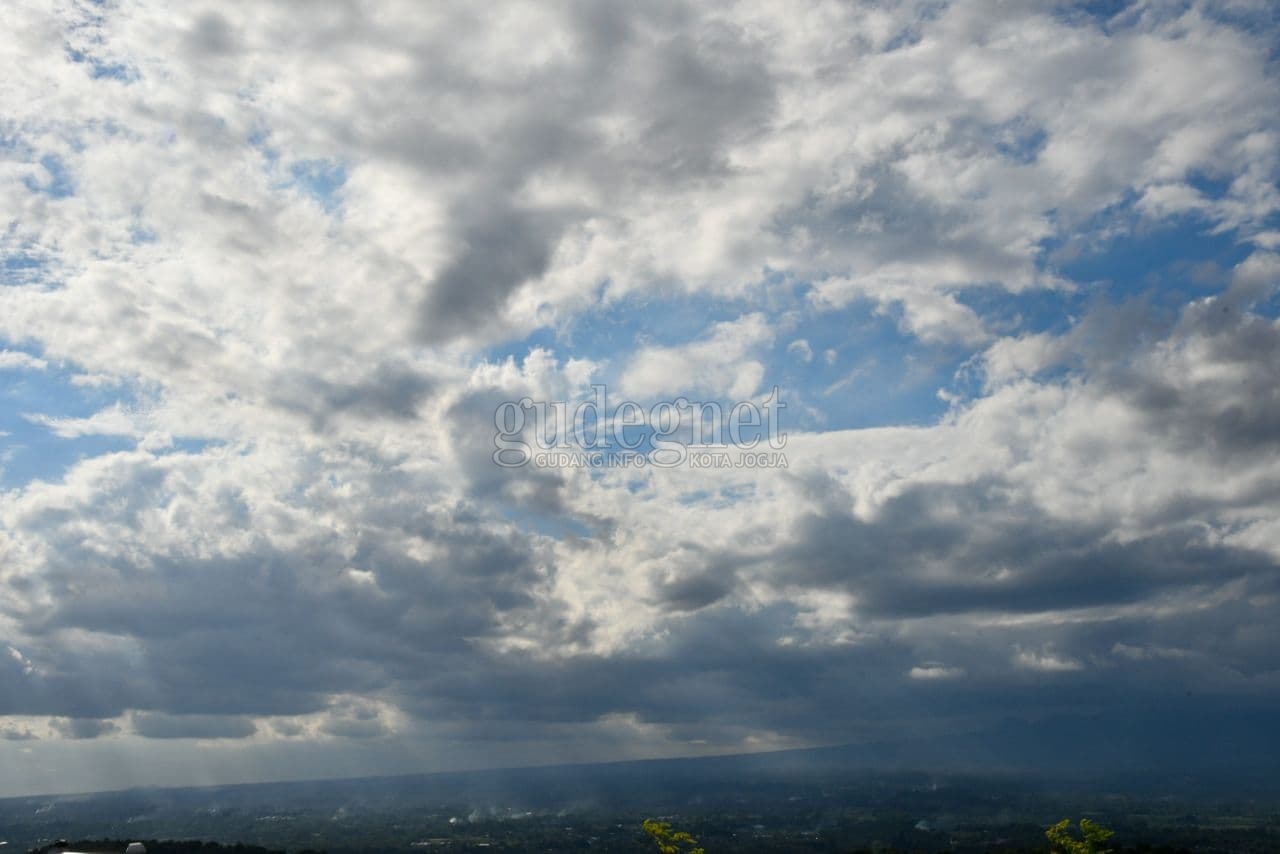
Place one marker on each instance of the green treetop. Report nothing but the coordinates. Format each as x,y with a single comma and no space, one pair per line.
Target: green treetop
1093,838
671,841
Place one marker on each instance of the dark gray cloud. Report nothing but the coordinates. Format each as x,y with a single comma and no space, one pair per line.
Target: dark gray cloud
692,592
82,728
501,251
387,391
982,548
158,725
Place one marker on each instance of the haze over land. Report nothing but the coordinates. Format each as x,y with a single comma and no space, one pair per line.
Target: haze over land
819,801
270,269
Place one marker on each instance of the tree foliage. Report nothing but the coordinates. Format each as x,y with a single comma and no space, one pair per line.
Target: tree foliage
1093,838
671,841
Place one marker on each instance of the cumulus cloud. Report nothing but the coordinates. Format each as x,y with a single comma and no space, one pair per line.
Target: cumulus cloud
281,272
719,364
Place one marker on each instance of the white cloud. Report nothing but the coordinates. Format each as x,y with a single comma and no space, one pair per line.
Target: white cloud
15,360
720,363
800,347
935,671
1046,661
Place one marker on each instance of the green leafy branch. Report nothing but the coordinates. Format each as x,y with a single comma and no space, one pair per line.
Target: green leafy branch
671,841
1093,838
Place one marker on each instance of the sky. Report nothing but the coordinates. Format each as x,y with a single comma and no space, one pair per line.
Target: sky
268,270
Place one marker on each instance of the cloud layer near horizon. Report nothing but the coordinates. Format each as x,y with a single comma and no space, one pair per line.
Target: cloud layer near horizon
270,269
